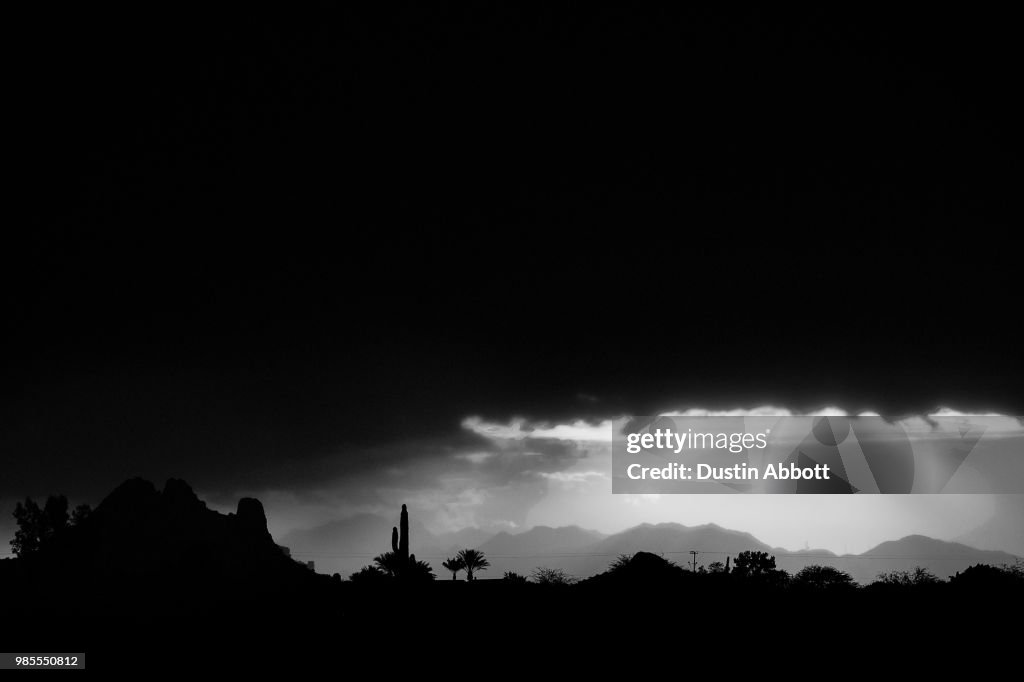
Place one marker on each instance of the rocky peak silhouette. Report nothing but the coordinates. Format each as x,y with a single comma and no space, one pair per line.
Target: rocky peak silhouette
179,496
251,517
171,538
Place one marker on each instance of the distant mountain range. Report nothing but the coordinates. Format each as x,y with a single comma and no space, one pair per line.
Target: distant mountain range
345,546
542,540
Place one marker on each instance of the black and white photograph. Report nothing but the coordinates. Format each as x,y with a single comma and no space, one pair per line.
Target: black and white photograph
512,340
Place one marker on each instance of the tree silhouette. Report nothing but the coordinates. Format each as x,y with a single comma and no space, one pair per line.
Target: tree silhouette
80,514
453,564
822,578
369,574
419,570
395,566
473,560
759,568
390,563
37,527
26,538
753,564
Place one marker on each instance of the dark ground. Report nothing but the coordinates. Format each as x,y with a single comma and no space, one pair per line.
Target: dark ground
341,627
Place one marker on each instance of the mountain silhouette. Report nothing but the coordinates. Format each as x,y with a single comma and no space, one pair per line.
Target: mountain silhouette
677,538
523,552
942,558
913,546
541,539
567,548
139,535
345,546
939,557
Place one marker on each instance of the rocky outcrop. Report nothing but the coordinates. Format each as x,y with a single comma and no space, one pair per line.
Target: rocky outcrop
170,537
251,516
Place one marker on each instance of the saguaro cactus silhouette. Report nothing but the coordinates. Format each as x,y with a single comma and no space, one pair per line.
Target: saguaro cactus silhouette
403,529
399,563
400,537
402,563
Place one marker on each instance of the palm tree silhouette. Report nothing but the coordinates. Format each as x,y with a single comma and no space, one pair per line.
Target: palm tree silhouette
454,564
473,560
390,563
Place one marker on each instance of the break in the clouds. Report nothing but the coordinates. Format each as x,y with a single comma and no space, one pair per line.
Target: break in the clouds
488,476
519,429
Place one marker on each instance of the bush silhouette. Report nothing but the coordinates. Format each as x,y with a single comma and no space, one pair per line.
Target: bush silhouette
644,566
552,576
984,577
919,576
621,562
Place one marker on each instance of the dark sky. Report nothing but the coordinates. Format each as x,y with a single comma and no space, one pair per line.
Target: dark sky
250,239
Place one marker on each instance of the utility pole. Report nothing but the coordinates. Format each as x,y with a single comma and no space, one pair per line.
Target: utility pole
694,553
